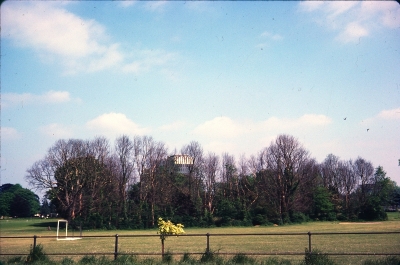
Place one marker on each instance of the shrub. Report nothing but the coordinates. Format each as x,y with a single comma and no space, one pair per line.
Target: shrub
15,260
103,260
36,253
126,259
299,218
207,257
210,257
242,259
149,261
259,219
276,261
395,260
167,257
372,211
186,258
88,260
316,258
67,261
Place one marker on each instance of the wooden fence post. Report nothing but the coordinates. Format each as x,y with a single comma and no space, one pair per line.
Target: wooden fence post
116,247
208,243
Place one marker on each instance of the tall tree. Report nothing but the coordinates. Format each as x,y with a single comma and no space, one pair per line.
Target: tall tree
25,203
195,151
348,182
287,160
149,156
74,173
17,201
82,183
363,171
45,207
229,179
124,152
210,169
330,173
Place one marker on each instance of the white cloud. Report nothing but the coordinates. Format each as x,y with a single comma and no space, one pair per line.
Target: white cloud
77,44
49,28
111,56
336,8
224,134
304,122
393,114
59,36
145,60
387,12
56,96
354,19
388,115
220,147
225,127
9,134
175,126
218,127
314,120
56,131
115,124
50,97
352,33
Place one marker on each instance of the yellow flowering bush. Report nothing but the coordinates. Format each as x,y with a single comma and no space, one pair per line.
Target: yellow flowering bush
167,228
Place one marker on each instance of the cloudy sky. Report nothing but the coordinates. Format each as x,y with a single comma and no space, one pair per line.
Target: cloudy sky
230,75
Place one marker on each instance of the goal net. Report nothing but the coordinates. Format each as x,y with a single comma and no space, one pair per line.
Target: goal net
59,237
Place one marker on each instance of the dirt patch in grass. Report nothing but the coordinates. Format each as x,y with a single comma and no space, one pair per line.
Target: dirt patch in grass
360,223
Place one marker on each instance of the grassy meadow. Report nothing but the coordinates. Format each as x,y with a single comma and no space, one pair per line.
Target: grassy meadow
377,243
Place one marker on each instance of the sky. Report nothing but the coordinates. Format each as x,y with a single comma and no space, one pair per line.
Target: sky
230,75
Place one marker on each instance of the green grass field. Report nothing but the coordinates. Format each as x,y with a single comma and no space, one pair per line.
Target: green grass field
377,243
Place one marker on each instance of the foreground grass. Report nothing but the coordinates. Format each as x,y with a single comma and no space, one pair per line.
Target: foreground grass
210,259
147,249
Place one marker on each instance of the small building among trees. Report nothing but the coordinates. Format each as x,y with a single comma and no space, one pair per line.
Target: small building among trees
180,164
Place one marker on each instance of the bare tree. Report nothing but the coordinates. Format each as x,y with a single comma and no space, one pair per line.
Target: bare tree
124,153
99,148
41,174
348,181
364,172
211,168
254,165
330,172
229,176
149,156
195,151
287,159
73,173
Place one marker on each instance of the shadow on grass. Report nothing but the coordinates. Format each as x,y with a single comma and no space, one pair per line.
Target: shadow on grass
52,224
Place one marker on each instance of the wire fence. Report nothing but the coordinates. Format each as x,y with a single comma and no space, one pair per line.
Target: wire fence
310,236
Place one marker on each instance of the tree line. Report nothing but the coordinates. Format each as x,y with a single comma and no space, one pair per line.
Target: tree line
17,201
131,184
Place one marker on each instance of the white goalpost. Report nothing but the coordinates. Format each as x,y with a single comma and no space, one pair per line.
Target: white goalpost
66,231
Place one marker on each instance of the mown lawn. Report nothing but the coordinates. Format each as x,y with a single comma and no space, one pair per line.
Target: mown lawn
220,242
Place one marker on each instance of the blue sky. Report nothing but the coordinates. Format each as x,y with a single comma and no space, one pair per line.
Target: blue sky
230,75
